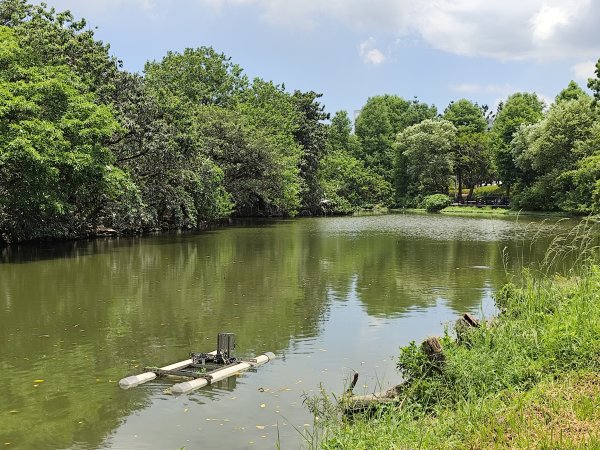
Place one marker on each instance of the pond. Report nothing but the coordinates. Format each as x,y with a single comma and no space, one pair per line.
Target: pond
329,296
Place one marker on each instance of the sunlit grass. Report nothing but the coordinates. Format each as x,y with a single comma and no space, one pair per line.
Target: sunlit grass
529,378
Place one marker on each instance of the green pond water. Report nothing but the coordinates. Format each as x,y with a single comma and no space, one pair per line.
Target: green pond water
329,296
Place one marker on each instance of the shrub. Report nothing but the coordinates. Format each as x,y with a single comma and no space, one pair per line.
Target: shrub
484,193
436,202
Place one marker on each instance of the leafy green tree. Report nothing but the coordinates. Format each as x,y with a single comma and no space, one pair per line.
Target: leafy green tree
466,116
520,108
180,186
581,186
58,39
272,115
425,151
571,92
57,175
347,184
311,134
594,83
378,123
545,151
471,159
196,77
261,179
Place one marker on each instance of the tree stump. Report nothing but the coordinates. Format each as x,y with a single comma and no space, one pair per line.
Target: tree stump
471,320
463,326
432,347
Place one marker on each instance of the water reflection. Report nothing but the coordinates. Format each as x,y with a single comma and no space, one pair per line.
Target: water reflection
328,295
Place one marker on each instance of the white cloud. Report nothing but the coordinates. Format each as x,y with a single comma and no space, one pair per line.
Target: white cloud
584,70
500,29
369,53
546,22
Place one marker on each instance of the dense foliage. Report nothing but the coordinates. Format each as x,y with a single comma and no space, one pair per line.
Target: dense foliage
523,380
86,145
436,202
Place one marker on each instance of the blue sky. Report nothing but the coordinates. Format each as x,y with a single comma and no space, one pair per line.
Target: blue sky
350,50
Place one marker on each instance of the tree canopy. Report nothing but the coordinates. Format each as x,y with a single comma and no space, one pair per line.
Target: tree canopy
87,145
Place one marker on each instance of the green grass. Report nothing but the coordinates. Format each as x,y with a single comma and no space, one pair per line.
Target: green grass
483,211
488,210
528,379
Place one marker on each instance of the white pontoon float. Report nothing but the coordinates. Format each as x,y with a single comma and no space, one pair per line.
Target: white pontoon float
202,368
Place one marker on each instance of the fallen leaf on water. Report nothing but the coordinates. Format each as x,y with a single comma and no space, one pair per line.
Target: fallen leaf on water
186,410
263,405
260,427
322,350
14,411
38,381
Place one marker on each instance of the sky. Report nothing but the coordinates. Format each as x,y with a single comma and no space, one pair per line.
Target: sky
350,50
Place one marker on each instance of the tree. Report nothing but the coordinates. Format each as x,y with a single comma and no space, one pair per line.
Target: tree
594,83
196,77
466,116
470,153
347,184
57,175
377,125
424,155
571,92
58,39
520,108
311,134
581,186
179,185
261,178
545,151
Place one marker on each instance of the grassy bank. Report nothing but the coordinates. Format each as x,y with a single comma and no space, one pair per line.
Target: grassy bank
488,210
528,379
483,211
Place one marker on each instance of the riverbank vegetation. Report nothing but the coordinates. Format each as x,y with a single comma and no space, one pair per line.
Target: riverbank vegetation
86,145
527,378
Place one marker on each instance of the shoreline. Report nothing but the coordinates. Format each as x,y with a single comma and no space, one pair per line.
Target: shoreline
107,233
528,378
